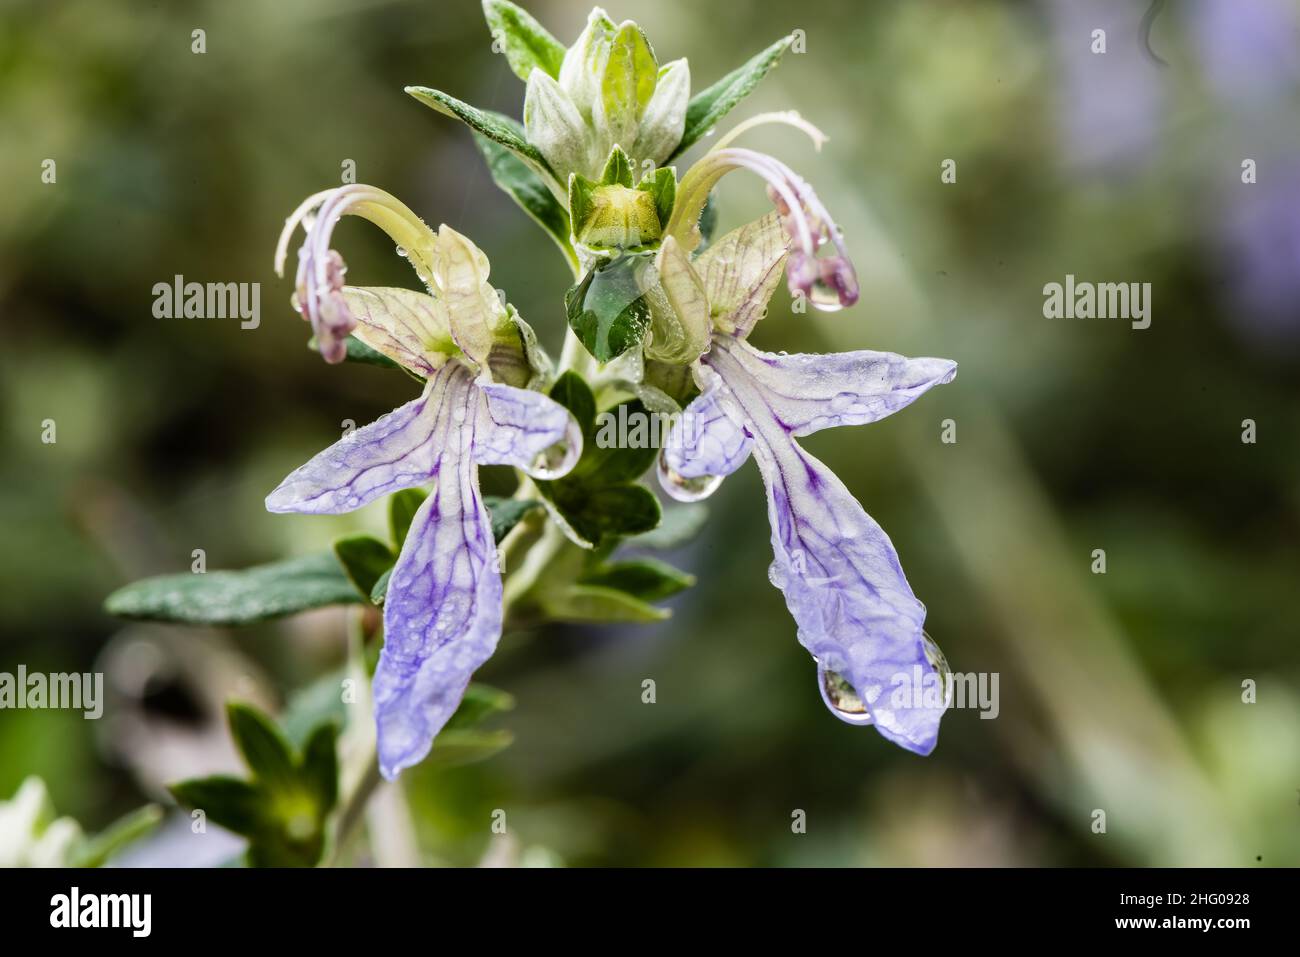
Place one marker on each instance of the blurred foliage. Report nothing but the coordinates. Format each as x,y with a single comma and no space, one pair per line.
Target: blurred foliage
1120,691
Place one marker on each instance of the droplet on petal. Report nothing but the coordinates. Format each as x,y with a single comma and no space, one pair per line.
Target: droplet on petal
685,489
841,698
556,460
934,654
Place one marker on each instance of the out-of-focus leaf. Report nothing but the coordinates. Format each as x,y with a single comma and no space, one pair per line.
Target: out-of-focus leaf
95,851
647,579
518,180
595,603
507,513
237,597
364,559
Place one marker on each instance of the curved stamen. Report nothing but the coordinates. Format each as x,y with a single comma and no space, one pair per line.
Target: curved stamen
828,283
319,280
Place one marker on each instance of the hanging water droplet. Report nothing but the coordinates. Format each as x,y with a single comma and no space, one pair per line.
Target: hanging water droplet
550,463
686,489
841,698
934,654
401,251
824,296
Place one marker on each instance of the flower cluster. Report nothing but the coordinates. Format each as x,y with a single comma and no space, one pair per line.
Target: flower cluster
658,315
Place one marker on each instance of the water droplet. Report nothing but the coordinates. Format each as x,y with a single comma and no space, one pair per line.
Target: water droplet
841,698
686,489
401,251
934,654
824,296
550,463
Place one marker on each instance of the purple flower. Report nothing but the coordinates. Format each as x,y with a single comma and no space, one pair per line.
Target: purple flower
442,613
841,577
828,281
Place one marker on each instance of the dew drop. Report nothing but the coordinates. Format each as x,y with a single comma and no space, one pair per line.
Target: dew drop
551,462
687,489
841,698
824,296
934,654
401,251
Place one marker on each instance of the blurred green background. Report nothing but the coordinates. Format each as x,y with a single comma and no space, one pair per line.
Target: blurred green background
1120,692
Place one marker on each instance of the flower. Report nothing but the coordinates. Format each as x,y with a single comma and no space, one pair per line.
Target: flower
840,574
443,612
610,91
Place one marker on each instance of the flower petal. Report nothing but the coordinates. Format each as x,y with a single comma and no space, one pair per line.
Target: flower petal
402,324
707,443
469,306
319,282
396,451
528,430
442,613
741,271
809,392
839,572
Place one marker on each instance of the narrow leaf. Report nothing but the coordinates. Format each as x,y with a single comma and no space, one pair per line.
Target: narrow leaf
237,597
265,749
494,126
594,603
525,42
645,578
527,188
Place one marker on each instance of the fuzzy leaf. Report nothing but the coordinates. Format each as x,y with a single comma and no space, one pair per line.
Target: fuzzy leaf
526,43
526,187
237,597
494,126
645,578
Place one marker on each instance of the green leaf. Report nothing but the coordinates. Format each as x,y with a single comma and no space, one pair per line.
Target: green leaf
526,43
618,169
595,500
95,851
595,603
500,129
645,578
595,513
364,559
320,766
571,391
506,513
662,185
402,507
228,801
480,702
709,106
607,309
453,748
265,749
526,187
237,597
283,808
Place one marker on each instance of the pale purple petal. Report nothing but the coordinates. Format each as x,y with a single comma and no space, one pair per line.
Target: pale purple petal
396,451
526,429
839,572
808,392
708,441
442,613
